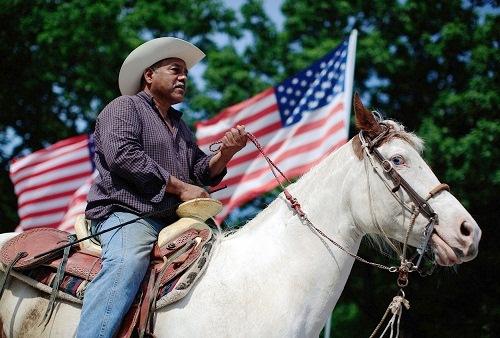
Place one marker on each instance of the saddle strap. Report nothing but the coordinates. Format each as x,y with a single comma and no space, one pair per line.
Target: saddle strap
3,282
147,328
57,281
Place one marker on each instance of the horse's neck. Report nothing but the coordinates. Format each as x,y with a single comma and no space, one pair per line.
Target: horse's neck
316,271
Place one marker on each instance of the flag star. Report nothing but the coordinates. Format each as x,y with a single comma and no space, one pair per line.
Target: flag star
344,54
326,85
319,95
342,66
313,104
337,64
309,73
287,111
330,63
309,92
295,81
292,102
289,90
322,65
331,75
283,99
280,88
329,98
303,83
289,120
298,93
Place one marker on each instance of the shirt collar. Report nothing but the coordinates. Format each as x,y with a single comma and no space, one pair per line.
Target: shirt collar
149,99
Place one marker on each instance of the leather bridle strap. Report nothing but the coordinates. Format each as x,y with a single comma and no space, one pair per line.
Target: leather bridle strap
399,181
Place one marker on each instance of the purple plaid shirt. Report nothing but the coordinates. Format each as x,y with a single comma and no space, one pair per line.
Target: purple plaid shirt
135,154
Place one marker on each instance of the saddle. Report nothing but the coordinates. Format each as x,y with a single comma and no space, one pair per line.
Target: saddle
179,245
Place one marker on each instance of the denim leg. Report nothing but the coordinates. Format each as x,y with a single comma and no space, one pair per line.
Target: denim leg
125,259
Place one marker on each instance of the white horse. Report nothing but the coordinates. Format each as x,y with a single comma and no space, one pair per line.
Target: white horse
276,277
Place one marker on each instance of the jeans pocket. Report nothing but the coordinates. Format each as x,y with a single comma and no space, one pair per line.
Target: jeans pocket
95,227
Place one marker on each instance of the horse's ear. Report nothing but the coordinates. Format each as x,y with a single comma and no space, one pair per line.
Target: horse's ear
364,118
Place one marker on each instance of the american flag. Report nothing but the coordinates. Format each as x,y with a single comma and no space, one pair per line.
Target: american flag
46,181
298,122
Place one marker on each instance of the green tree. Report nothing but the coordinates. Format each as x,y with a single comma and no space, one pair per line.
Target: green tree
432,65
61,59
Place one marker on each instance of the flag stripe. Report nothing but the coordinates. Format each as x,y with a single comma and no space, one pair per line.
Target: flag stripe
46,166
231,202
55,181
56,168
54,151
239,110
298,122
63,174
297,151
46,180
289,138
248,182
271,148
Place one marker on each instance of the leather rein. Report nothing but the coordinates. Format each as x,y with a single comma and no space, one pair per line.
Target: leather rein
419,204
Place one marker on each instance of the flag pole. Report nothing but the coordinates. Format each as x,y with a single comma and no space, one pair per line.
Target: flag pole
348,86
349,79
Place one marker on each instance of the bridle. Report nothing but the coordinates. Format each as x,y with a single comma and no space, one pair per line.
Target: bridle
419,205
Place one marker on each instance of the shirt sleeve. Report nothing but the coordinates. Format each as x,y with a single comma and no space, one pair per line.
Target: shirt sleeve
201,169
118,130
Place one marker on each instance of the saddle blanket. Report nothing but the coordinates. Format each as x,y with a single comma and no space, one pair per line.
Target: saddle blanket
176,279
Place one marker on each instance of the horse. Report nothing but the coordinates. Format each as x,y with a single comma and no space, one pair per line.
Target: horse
279,277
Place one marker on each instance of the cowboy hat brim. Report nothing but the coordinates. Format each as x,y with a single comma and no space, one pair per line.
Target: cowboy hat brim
150,52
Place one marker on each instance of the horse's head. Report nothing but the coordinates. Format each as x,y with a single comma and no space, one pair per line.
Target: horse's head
402,187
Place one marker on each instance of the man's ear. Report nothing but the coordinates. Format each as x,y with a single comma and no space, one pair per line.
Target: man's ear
147,75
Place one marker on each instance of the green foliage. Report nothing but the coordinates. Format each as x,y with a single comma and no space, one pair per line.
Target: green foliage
61,60
432,65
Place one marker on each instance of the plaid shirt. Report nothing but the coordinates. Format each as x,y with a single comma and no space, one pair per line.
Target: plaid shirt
135,154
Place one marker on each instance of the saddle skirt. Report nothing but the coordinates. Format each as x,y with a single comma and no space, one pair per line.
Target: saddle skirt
178,259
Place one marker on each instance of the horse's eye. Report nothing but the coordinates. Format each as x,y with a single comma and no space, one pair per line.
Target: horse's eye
397,160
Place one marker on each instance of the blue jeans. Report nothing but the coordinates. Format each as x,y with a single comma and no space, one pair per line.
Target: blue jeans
125,259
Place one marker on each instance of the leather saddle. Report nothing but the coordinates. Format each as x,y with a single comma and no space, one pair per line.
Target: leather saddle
178,246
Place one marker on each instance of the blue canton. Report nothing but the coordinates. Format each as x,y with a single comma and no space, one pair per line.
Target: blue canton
313,87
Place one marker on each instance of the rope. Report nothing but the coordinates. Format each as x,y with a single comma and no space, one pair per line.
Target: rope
418,206
396,307
294,203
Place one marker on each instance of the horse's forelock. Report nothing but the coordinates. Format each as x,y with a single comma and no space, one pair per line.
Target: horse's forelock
397,130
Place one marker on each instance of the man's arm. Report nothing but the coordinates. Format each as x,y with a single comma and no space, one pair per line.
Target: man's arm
233,141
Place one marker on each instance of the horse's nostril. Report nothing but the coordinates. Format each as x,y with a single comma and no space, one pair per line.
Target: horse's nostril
465,229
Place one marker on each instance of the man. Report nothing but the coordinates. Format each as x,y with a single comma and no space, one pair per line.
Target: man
147,160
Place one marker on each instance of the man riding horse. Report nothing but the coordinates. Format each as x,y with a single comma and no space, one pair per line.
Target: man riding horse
147,160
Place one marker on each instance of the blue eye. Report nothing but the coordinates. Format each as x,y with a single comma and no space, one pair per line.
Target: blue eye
397,160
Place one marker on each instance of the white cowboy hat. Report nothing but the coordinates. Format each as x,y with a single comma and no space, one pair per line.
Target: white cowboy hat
151,52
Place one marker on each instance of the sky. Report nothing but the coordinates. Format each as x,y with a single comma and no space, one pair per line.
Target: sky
272,8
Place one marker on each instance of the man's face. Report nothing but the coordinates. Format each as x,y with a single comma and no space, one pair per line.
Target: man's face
169,80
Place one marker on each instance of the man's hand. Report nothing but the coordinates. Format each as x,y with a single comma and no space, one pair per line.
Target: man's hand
190,192
185,191
233,141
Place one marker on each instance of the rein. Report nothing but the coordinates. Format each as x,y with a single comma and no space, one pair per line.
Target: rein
419,205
